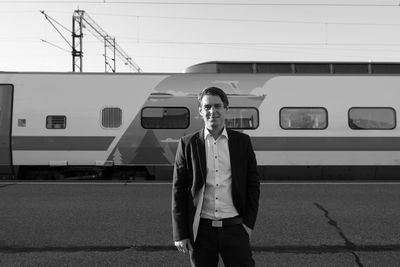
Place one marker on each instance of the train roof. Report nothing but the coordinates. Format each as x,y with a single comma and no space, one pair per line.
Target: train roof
296,67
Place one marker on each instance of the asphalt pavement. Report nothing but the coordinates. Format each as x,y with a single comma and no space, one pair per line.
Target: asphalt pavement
129,224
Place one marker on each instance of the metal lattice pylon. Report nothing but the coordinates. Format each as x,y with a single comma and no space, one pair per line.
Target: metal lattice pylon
82,20
77,35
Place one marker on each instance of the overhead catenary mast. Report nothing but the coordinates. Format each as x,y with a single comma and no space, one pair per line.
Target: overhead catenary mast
80,20
77,36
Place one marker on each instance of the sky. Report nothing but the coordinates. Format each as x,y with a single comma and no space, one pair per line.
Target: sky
167,36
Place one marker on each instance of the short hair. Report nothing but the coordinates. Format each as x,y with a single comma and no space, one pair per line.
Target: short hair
214,91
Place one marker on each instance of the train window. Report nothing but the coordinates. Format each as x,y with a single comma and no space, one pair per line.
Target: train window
111,117
56,122
372,118
165,118
21,122
241,118
303,118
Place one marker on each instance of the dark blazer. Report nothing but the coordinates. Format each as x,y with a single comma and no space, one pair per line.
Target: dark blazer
189,178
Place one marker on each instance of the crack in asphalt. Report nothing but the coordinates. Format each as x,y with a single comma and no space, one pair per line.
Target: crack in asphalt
323,249
350,245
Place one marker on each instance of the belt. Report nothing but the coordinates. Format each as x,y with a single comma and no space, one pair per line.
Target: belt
222,222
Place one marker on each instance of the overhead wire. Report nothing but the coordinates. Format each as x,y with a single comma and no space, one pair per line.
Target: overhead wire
206,3
249,20
255,45
160,41
246,4
52,21
52,44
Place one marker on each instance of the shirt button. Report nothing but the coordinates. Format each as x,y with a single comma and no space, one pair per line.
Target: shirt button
216,170
217,184
215,156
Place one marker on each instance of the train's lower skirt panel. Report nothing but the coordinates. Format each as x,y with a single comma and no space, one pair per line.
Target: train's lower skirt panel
264,158
330,173
281,172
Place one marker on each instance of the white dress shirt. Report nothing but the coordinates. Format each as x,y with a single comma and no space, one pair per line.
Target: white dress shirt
217,201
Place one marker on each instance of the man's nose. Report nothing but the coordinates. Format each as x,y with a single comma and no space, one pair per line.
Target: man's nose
213,109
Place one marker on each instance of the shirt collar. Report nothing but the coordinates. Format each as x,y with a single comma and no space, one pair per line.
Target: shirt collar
207,133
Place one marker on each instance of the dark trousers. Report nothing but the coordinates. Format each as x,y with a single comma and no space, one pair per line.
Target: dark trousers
232,242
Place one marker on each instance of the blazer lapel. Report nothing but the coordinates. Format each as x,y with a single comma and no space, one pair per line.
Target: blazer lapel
201,154
199,192
233,154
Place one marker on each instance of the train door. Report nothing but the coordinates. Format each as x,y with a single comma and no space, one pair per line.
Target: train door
6,96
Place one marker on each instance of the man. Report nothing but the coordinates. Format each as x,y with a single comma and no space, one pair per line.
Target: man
215,189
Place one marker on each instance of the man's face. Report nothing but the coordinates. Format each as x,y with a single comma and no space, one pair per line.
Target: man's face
213,112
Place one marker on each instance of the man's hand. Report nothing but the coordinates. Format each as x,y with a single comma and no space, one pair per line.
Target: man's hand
183,245
248,230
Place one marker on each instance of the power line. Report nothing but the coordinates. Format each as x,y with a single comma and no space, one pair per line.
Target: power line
285,49
245,4
206,3
159,41
251,45
52,21
59,47
228,19
49,2
250,20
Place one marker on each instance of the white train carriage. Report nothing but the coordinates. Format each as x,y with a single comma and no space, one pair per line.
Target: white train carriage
316,120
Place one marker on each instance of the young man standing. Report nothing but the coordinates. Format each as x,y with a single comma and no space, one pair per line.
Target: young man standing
215,190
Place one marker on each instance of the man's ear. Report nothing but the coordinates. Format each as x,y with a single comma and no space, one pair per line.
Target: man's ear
200,109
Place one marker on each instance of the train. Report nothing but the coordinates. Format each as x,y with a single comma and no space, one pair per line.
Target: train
306,120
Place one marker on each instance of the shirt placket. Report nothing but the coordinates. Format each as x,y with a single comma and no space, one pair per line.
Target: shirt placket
217,178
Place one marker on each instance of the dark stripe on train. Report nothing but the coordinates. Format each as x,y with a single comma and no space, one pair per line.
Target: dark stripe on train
102,143
326,143
64,143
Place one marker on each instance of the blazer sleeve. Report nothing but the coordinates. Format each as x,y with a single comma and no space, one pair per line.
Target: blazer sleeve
253,187
180,193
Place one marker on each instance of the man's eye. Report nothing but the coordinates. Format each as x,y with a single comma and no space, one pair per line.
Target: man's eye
208,107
